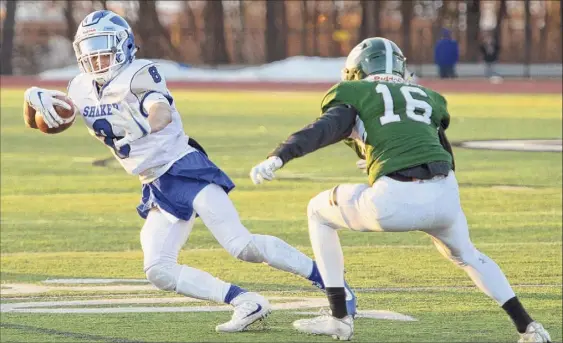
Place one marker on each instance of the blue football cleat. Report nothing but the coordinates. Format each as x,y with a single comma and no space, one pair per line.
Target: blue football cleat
351,299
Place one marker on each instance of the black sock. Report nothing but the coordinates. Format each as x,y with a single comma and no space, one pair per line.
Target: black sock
337,300
519,316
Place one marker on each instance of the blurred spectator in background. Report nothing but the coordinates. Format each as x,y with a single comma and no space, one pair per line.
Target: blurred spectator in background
446,54
490,50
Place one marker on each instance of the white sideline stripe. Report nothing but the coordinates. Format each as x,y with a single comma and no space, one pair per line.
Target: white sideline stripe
22,289
10,289
373,314
442,288
292,303
375,246
89,281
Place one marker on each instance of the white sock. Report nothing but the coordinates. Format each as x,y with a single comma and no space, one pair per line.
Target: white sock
328,253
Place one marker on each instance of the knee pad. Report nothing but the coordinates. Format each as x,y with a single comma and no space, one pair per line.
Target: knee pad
163,276
253,252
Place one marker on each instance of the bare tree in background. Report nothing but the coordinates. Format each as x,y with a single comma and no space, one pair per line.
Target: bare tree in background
438,23
335,42
69,19
500,16
155,38
241,33
544,32
276,31
213,47
304,27
370,25
406,14
527,38
473,29
8,38
104,4
192,26
315,28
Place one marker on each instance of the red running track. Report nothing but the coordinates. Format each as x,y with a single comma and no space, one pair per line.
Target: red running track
508,86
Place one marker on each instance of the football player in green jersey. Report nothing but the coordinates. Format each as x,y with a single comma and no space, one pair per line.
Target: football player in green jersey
398,128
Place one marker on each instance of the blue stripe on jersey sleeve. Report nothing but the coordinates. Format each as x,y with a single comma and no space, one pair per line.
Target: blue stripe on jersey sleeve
167,96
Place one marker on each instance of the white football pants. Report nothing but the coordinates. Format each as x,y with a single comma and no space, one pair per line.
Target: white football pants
432,206
163,236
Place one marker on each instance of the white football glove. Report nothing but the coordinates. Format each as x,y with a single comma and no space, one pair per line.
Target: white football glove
43,101
132,122
265,170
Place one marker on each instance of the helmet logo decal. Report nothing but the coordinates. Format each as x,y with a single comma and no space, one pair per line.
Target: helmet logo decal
94,18
119,21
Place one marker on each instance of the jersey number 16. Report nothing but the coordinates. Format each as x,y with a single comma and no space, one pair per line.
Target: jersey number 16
412,104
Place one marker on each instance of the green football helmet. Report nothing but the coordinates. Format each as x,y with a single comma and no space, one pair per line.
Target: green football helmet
375,55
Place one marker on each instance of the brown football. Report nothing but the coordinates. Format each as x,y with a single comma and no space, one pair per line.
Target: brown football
35,120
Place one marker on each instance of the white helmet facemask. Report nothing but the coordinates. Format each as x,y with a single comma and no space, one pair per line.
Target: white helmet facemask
102,48
99,54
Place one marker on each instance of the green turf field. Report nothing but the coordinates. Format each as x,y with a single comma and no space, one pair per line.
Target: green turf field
63,218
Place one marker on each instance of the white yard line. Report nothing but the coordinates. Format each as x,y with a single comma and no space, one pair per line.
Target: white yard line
375,246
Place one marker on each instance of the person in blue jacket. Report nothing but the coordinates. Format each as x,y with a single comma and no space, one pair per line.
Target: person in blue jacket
446,54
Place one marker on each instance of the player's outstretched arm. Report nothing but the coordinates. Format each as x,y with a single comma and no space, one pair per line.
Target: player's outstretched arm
136,126
333,126
160,115
149,85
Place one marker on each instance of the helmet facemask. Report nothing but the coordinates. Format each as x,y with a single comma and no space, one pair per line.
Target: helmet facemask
102,54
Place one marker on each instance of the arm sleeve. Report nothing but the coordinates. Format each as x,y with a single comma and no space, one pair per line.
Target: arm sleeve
446,144
333,126
445,119
149,86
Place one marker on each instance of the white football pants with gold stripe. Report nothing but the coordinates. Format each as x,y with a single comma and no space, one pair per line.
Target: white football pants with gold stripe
432,206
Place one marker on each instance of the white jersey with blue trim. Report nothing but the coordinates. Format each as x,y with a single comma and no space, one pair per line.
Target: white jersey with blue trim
140,84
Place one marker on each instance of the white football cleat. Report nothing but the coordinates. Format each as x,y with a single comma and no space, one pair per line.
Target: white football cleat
326,324
535,333
249,308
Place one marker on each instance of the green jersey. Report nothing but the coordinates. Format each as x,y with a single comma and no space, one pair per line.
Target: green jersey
397,124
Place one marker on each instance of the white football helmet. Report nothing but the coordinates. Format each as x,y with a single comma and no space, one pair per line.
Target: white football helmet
104,44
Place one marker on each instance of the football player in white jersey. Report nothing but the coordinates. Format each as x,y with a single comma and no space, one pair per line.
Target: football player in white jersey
125,103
